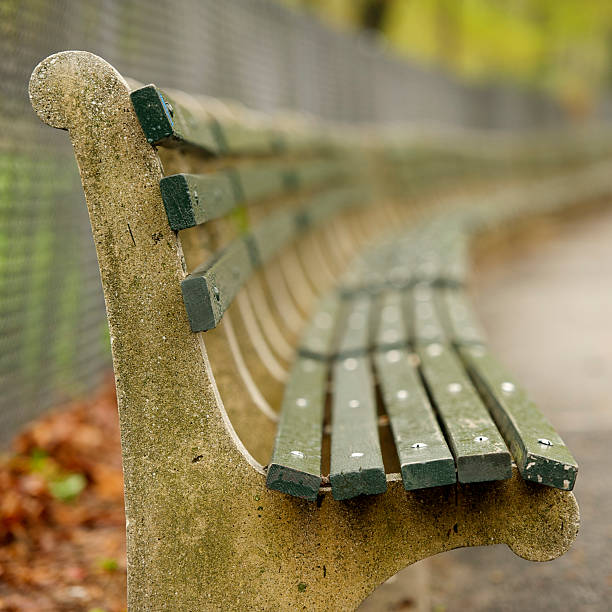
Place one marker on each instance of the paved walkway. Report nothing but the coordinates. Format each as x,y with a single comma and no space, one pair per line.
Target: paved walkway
548,312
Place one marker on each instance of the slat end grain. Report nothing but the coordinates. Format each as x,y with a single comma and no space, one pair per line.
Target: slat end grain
436,473
549,472
197,298
485,467
369,481
293,482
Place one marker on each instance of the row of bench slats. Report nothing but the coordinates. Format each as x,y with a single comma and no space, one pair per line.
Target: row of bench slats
425,459
210,288
440,325
471,449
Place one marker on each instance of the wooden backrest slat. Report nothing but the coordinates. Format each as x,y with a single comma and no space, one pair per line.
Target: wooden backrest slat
209,289
165,122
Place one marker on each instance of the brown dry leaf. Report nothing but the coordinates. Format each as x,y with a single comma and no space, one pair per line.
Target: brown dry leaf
59,555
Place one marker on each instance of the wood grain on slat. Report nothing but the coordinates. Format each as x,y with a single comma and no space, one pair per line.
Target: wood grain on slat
425,459
479,450
539,452
295,467
356,459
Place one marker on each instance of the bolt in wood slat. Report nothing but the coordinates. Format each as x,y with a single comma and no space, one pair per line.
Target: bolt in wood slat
539,451
295,467
356,459
424,456
479,450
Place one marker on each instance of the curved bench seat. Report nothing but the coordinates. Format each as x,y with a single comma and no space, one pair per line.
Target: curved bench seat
305,277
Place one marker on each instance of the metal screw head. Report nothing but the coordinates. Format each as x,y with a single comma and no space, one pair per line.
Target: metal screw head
419,445
350,364
391,335
354,403
544,442
302,402
508,387
402,394
298,454
480,439
356,454
454,387
477,351
393,356
435,349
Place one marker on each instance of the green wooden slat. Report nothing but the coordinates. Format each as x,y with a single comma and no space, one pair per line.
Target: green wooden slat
424,456
356,460
318,339
355,337
240,138
274,233
458,318
257,182
166,122
295,467
523,426
392,331
324,205
191,199
209,289
427,324
321,171
479,450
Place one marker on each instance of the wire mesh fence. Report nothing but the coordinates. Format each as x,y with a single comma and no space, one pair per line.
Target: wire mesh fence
53,341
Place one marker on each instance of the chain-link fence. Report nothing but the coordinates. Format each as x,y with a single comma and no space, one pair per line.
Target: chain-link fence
53,341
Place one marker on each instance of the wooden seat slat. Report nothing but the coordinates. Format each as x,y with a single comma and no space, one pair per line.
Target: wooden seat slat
356,459
318,339
295,467
167,122
540,453
427,325
458,318
355,337
478,448
424,456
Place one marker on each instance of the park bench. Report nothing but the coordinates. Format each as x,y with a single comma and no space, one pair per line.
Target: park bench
307,402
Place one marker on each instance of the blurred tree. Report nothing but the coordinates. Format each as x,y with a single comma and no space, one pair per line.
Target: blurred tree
563,47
